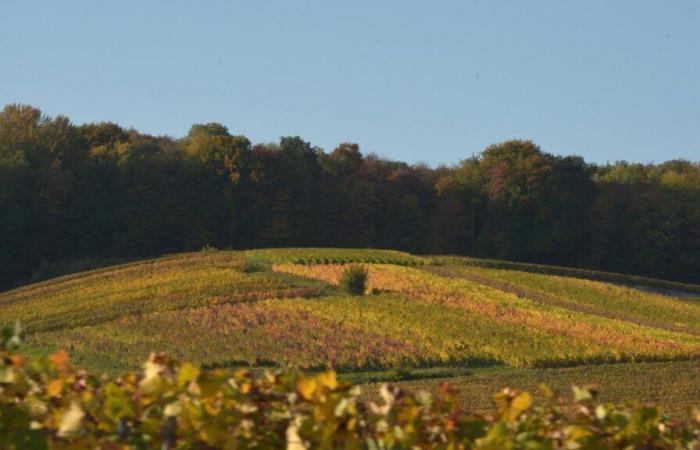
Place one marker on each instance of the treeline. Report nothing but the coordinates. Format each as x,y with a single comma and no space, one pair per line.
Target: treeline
69,192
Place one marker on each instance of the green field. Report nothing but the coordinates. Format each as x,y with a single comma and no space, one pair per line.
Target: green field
422,318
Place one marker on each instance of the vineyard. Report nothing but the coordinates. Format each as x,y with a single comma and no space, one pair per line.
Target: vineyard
46,403
309,256
423,318
500,325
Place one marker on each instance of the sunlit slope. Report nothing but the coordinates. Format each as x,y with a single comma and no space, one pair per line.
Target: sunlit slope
592,297
283,307
514,329
172,283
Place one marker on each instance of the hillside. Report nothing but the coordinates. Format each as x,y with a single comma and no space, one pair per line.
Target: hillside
282,307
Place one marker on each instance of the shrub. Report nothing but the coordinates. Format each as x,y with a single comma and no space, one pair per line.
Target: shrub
354,280
252,264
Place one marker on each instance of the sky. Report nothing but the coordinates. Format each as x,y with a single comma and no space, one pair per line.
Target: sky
418,81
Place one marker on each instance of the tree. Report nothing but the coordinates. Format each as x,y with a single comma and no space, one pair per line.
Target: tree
537,203
212,145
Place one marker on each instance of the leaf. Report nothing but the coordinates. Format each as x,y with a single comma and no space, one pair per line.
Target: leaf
72,420
387,394
208,385
328,379
8,375
294,441
116,404
520,404
10,337
172,409
188,373
424,397
54,388
577,432
600,412
306,387
60,360
17,360
151,380
581,394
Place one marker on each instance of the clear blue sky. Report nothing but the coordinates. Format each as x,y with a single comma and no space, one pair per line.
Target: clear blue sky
431,81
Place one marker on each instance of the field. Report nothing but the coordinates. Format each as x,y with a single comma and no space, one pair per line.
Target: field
422,320
673,385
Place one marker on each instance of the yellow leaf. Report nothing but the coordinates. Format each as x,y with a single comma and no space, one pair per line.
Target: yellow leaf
294,441
54,388
576,432
172,409
151,379
71,421
306,387
188,373
328,379
581,394
521,403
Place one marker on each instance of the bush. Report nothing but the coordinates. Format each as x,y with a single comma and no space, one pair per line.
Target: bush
251,265
354,280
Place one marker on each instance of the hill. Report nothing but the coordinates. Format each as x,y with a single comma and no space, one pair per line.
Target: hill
422,317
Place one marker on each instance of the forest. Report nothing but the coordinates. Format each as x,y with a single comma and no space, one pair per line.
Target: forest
99,191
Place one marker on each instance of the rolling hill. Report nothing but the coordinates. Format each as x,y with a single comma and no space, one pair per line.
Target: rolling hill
422,317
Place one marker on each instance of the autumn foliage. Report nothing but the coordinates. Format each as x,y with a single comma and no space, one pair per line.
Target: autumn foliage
79,196
48,404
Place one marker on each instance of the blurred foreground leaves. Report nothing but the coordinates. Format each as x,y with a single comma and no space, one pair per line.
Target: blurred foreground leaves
46,403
